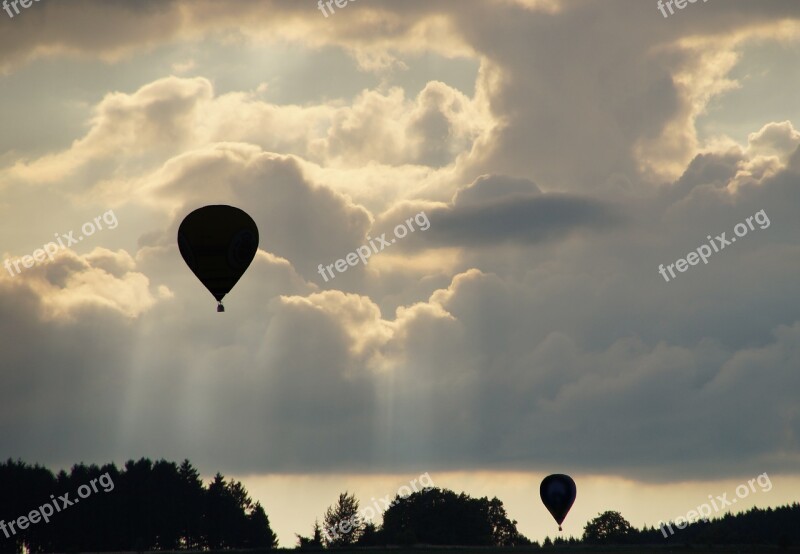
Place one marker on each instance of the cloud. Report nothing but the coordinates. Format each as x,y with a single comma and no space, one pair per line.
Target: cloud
778,139
135,139
298,220
432,131
71,284
497,209
127,133
492,369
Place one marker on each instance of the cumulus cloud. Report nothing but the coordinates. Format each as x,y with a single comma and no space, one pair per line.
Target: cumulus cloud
72,283
137,138
128,133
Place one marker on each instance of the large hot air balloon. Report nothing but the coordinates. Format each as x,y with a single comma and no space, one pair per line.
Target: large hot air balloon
558,493
218,243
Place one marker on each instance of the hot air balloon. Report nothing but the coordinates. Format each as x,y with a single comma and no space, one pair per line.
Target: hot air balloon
558,494
218,243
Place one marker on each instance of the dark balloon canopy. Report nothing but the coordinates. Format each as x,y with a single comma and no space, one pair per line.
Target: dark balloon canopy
558,494
218,243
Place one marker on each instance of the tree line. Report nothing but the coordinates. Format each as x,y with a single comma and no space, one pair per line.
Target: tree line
777,527
440,517
165,506
148,506
430,516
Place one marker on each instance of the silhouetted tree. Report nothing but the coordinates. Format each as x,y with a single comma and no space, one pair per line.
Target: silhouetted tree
311,543
259,532
371,536
608,527
191,506
342,525
226,521
441,517
504,531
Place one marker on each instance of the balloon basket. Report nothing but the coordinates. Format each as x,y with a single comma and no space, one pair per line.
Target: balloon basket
220,307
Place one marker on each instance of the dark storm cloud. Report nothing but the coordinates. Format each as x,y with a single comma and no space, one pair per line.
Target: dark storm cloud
521,219
497,209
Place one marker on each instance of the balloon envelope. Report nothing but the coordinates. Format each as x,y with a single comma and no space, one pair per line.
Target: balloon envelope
558,494
218,243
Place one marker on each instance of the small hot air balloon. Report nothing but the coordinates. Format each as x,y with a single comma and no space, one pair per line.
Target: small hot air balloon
558,494
218,243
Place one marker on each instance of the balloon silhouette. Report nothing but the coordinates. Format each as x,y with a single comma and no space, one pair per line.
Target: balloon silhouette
558,494
218,243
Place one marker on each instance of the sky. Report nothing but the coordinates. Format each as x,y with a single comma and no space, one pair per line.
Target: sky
601,278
